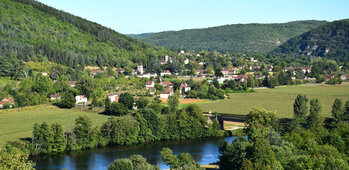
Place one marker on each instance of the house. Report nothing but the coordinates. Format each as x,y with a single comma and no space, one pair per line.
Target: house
167,84
149,84
165,72
201,64
344,77
113,97
167,93
186,61
140,69
72,84
147,75
227,71
7,101
44,74
184,87
305,69
165,60
81,99
54,97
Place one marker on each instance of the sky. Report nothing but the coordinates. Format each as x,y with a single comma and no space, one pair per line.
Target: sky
143,16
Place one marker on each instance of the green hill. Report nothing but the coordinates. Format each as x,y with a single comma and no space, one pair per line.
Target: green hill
330,40
30,30
231,38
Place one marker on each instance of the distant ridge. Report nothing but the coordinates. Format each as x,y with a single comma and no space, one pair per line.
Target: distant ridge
231,38
330,40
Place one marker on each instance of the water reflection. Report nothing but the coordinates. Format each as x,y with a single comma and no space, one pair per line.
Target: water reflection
204,151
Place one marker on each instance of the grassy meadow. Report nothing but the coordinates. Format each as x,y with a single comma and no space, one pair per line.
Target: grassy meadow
18,123
280,99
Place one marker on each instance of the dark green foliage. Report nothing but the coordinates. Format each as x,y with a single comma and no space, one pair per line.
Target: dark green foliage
117,109
42,84
233,155
86,86
135,162
337,110
142,103
329,40
232,38
121,164
127,100
42,138
300,108
30,30
346,111
173,102
267,148
84,135
67,100
183,161
10,67
314,119
59,141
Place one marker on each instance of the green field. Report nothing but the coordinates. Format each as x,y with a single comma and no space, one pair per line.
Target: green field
17,124
280,99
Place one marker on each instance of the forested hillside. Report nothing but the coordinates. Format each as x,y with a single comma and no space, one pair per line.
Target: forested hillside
330,40
33,31
231,38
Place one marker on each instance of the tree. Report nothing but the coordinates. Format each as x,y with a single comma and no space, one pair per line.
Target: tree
59,141
346,111
86,86
233,154
83,131
67,100
260,117
142,103
43,84
107,104
173,102
169,159
300,107
12,157
127,100
337,110
121,164
273,82
314,119
118,109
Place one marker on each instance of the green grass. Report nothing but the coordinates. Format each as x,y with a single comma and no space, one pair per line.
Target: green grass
18,123
280,99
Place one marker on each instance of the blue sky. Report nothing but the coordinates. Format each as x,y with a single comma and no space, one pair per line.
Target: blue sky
141,16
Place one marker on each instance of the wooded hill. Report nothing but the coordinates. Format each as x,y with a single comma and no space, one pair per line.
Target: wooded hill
330,40
231,38
30,30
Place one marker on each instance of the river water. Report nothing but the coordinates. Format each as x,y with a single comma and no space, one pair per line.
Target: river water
204,151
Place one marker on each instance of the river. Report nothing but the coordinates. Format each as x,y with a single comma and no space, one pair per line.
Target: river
204,151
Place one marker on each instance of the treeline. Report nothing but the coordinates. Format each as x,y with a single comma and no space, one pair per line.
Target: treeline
305,143
138,162
329,40
144,126
237,38
32,31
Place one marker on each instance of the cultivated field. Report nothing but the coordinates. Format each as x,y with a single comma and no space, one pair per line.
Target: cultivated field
18,123
280,99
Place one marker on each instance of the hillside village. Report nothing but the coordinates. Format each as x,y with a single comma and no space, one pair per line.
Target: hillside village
164,83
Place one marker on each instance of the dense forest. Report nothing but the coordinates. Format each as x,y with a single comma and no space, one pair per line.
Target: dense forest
31,31
330,40
231,38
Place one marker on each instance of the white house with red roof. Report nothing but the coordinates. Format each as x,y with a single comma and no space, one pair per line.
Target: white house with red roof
167,93
149,84
184,87
113,97
54,97
7,101
72,84
81,99
165,72
166,84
